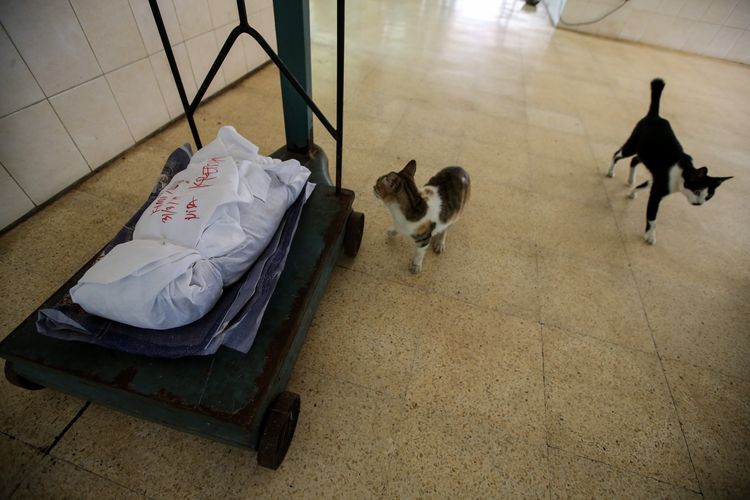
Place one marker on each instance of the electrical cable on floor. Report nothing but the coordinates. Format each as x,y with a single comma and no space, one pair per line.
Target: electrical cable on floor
593,21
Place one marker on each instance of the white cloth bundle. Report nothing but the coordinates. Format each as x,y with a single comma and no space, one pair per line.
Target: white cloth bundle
203,231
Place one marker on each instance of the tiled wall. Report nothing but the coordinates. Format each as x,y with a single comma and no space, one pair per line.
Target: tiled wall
83,80
716,28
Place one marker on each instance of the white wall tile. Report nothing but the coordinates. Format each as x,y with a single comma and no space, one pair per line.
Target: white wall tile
723,42
166,80
700,36
253,6
111,31
223,12
254,54
719,11
677,33
657,29
740,16
147,26
635,25
51,41
91,116
645,5
202,51
267,28
13,201
38,152
194,17
139,98
741,50
671,7
235,66
17,87
694,9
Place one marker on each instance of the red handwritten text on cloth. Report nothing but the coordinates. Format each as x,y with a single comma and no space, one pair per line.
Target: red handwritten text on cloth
209,169
167,203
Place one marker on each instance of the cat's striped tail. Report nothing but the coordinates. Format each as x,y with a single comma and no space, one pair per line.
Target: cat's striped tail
657,85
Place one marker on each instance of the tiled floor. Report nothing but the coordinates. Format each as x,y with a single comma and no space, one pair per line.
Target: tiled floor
549,352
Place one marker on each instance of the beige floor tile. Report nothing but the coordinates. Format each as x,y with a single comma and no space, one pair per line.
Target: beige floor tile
701,323
594,299
23,292
585,231
63,236
150,459
613,405
480,365
361,334
444,456
555,144
488,164
572,476
19,461
469,270
35,417
59,479
715,416
342,447
558,178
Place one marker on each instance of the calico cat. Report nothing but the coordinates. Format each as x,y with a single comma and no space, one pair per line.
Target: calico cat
424,214
654,144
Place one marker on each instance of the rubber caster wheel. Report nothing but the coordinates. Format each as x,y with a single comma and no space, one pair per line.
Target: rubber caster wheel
17,380
278,430
355,226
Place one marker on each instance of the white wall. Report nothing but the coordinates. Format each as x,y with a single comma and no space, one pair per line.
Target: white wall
83,80
716,28
554,8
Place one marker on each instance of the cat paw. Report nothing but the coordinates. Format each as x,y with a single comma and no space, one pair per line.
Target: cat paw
391,232
650,237
415,268
610,174
438,247
632,195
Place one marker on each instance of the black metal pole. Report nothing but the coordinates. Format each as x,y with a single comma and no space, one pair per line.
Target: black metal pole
175,71
290,77
340,22
233,35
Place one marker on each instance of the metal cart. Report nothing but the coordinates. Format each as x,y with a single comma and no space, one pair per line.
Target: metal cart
236,398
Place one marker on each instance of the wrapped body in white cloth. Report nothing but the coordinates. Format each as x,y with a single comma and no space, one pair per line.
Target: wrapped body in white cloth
203,231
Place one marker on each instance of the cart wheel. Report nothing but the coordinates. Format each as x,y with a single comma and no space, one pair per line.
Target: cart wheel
278,430
17,380
355,226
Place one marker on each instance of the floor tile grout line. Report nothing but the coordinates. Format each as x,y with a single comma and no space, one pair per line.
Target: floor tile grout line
650,330
59,437
620,468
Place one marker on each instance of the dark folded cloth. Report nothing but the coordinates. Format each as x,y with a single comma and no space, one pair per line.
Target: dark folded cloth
233,321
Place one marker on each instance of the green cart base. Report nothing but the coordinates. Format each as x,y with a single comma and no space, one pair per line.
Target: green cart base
231,397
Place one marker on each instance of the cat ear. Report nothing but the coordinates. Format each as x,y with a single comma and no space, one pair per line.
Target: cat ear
701,172
410,169
719,180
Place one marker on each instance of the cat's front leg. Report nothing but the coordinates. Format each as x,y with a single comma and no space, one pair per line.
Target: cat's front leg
391,232
416,261
651,210
438,242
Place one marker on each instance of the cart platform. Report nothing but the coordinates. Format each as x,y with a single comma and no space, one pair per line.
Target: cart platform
231,397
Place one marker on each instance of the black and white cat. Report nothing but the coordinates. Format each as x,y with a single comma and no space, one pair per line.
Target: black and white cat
655,145
423,214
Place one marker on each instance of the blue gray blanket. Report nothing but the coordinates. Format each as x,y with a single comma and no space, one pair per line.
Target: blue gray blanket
233,321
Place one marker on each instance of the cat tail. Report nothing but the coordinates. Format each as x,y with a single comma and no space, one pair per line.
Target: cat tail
657,85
